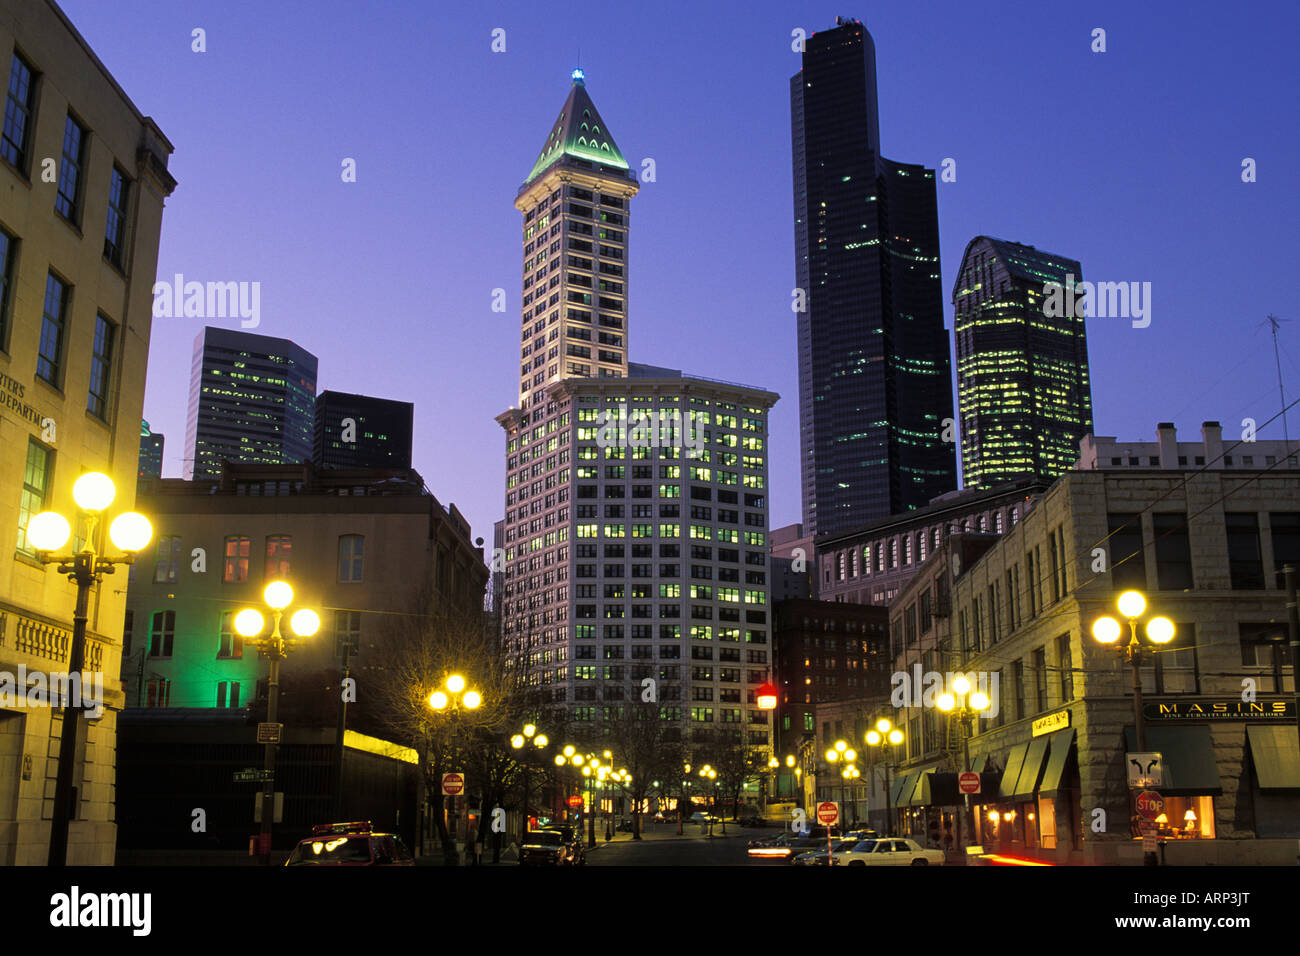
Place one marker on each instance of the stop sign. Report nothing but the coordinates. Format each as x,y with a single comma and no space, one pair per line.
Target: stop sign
828,814
1150,804
452,784
969,782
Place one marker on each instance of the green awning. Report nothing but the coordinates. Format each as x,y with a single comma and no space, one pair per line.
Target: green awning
978,764
1031,768
1187,754
1053,776
1011,772
913,799
1277,759
902,785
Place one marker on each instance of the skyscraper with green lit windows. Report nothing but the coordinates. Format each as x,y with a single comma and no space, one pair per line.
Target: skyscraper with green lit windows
1022,376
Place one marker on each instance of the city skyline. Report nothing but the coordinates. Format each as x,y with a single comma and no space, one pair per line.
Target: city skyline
1123,222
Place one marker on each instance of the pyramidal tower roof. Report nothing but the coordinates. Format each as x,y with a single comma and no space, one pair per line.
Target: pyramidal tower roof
578,132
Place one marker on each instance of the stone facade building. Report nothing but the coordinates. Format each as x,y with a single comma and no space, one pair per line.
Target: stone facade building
78,258
1206,549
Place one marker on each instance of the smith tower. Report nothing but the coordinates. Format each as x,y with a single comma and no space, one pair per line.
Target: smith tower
634,542
874,376
575,204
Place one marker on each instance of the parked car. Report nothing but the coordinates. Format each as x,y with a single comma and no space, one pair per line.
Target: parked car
546,848
773,846
889,851
699,816
349,844
573,839
820,857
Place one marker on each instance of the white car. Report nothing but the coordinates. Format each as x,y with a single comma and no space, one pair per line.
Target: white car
888,851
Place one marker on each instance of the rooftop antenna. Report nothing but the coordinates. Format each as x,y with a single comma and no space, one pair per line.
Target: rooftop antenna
1274,322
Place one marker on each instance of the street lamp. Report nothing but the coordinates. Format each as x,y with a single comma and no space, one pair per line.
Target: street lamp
521,741
964,705
47,532
451,698
681,800
1159,630
851,774
885,735
708,773
250,623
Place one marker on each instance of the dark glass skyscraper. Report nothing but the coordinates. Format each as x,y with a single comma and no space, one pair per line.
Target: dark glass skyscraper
357,431
1022,376
874,376
252,399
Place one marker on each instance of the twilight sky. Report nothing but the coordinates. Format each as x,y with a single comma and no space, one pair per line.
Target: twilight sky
1129,161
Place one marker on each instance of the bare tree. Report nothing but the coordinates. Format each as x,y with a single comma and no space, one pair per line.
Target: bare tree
421,650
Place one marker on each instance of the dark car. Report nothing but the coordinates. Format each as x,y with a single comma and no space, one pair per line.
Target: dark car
573,838
546,848
349,844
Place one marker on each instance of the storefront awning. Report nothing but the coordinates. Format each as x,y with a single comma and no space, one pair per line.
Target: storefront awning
913,799
1054,775
1011,773
979,763
1187,754
1277,761
902,785
939,789
1031,768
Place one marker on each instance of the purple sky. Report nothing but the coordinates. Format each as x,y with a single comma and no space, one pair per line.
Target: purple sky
1128,160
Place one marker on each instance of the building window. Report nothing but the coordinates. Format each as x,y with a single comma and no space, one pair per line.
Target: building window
8,261
1173,552
236,563
36,485
1018,689
1245,562
18,114
167,566
49,359
115,227
1266,654
1065,665
228,693
279,549
101,363
159,693
1284,529
351,552
1127,561
230,645
68,199
162,633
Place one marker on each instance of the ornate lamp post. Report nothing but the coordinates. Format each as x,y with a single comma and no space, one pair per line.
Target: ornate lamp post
884,736
451,699
47,532
964,705
1159,630
250,623
520,742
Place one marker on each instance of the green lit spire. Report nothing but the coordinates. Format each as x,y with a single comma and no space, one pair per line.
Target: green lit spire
579,132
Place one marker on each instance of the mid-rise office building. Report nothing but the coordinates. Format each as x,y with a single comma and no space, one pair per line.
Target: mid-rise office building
1022,373
77,265
875,389
358,431
151,452
252,401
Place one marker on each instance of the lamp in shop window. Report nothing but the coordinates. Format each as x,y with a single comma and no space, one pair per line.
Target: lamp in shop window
1190,818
